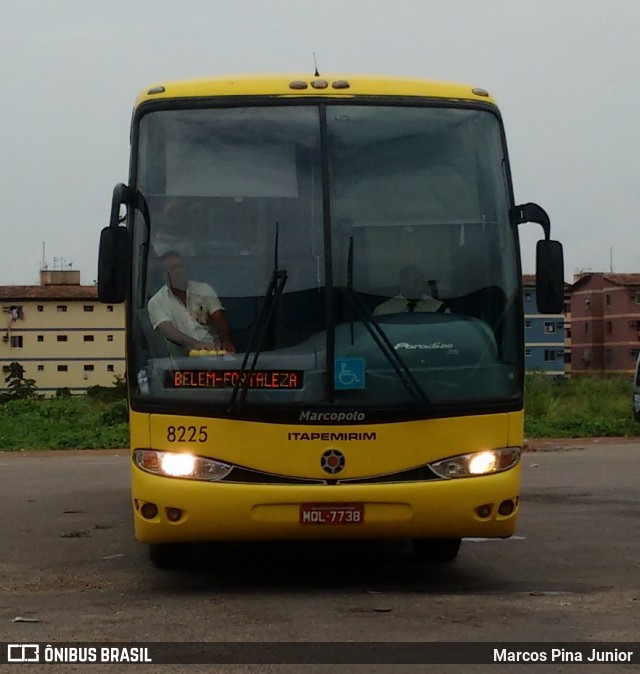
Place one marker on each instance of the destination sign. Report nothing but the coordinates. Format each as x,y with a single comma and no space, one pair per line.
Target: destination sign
258,379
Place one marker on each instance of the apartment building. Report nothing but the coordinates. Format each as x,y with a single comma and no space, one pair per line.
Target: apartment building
544,334
568,356
605,322
61,334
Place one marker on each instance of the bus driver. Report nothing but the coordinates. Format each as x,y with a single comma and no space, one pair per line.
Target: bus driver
413,295
182,311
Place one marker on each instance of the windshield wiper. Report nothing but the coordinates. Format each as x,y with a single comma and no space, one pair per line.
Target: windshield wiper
386,348
380,338
256,341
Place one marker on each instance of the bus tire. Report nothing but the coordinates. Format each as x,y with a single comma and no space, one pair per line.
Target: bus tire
169,555
434,550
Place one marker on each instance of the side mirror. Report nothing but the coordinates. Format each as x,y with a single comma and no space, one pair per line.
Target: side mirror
549,260
113,265
113,257
549,277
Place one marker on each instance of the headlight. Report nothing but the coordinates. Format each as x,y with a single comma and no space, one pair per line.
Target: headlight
478,463
180,464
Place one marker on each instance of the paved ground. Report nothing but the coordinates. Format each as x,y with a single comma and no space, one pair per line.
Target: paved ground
564,444
69,563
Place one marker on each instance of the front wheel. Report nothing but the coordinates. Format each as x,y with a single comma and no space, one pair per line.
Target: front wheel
170,555
434,550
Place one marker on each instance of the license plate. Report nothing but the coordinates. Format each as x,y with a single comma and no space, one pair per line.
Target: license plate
331,513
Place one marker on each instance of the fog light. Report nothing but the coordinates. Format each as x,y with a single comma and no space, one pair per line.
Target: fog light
506,508
484,511
174,514
149,510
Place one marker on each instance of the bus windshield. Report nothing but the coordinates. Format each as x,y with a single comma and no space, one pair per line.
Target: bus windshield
386,227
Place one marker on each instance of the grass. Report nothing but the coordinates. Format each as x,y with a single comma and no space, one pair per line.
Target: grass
554,408
77,422
584,406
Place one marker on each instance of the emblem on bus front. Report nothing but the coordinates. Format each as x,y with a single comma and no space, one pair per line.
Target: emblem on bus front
332,461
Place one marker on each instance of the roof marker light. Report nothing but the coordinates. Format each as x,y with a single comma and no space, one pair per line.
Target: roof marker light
156,90
319,84
298,84
480,92
340,84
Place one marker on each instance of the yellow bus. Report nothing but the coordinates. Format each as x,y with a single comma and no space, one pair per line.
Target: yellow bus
359,236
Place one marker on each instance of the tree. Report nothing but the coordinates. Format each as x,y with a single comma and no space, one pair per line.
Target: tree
19,386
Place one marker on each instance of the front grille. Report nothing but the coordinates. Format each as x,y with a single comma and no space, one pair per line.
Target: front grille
246,475
241,475
419,474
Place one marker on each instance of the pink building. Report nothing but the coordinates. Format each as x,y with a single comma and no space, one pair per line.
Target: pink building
605,323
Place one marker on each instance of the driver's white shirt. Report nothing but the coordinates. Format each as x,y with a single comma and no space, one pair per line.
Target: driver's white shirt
202,301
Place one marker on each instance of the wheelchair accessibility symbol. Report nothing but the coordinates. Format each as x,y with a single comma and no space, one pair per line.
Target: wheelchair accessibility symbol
349,373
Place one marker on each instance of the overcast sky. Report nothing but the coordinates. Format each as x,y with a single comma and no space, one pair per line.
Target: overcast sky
564,72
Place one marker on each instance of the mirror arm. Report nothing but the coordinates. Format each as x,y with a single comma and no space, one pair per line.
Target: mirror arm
531,212
120,196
